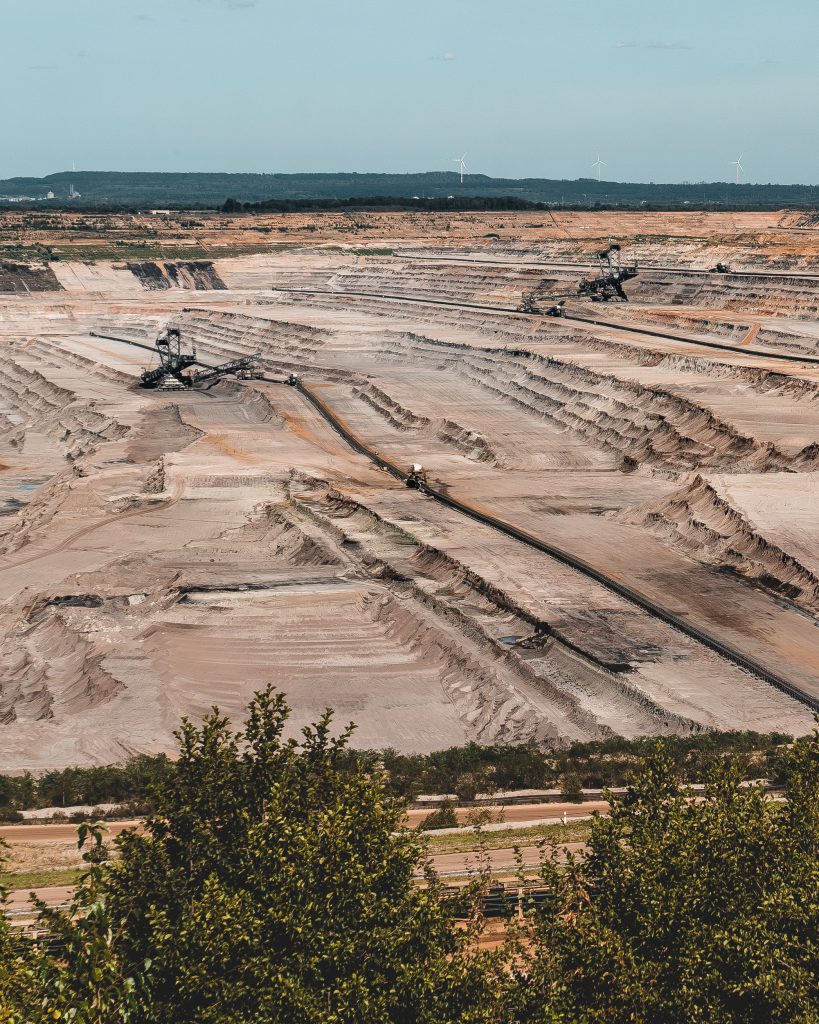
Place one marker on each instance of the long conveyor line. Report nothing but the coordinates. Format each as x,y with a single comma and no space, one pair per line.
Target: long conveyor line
566,558
784,275
628,328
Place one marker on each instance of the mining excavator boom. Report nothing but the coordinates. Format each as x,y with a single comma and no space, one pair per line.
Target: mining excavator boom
246,368
175,360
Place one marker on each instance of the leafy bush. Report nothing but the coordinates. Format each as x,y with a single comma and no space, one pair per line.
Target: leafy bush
570,789
464,770
441,817
274,883
685,911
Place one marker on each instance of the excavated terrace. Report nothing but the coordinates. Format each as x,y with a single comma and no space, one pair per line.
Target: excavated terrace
162,552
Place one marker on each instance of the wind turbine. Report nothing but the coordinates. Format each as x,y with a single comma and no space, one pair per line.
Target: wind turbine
738,165
459,160
599,164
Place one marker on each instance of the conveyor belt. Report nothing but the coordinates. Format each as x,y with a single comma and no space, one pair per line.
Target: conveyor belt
566,558
629,329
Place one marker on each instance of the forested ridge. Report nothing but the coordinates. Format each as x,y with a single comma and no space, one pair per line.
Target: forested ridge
211,190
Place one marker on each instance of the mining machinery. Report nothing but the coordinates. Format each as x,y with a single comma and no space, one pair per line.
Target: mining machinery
245,368
608,284
721,268
531,302
528,303
174,361
417,477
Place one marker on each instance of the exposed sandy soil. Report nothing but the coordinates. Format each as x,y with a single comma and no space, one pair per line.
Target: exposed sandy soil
164,552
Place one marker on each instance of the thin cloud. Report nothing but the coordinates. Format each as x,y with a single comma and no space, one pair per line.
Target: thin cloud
444,56
655,45
42,67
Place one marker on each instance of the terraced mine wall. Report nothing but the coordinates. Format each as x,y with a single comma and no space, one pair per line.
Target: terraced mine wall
193,275
621,537
20,277
624,591
700,522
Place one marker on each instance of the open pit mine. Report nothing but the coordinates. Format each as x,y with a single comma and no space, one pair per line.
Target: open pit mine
487,477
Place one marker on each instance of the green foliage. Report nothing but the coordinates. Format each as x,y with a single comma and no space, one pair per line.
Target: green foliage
87,981
570,788
611,762
686,911
135,780
441,817
20,990
473,767
274,883
462,770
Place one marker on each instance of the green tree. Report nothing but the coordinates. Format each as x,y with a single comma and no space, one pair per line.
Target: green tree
441,817
274,883
570,788
86,981
686,911
20,991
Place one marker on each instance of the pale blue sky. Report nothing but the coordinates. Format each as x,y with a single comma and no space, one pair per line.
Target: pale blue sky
666,91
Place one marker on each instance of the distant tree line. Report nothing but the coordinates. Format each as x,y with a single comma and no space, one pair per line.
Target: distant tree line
431,203
121,190
463,771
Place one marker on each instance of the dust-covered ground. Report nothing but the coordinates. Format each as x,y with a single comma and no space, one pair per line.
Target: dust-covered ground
162,552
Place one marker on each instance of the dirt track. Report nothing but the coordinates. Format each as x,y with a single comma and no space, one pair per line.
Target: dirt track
161,553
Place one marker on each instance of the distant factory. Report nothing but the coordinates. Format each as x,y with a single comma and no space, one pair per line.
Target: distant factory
29,199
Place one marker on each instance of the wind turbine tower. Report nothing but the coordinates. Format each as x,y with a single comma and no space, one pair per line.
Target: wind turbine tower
738,165
459,160
599,165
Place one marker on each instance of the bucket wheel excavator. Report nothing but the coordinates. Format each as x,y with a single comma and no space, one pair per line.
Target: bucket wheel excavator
609,282
175,360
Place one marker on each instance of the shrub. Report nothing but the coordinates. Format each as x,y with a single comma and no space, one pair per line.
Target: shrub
685,911
441,817
570,788
274,883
